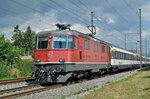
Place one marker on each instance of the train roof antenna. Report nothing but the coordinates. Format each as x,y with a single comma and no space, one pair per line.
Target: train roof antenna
63,26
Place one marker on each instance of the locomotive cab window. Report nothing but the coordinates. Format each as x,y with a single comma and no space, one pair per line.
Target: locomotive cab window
60,42
76,42
70,42
43,42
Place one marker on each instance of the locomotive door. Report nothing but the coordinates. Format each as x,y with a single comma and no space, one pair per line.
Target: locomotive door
77,53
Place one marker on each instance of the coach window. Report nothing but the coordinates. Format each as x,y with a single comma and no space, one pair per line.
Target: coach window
70,42
103,48
76,42
119,55
95,47
86,44
122,55
113,55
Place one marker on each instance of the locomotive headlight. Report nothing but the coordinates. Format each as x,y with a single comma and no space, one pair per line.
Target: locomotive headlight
61,60
54,70
38,60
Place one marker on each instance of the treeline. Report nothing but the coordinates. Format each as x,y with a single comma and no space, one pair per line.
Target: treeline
22,44
24,40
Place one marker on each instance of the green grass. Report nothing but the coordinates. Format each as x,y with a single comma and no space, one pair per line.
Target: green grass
136,86
87,89
63,97
23,66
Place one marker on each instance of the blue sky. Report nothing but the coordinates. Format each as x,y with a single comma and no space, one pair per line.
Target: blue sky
114,17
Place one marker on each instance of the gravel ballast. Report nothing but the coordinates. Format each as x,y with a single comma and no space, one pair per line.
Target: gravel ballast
76,91
16,85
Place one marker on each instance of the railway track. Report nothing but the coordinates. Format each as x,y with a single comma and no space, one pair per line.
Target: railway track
4,82
22,91
16,92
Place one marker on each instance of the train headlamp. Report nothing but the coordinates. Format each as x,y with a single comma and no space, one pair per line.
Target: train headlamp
38,60
50,37
61,60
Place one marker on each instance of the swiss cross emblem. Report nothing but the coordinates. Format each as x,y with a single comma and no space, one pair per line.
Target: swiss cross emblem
49,54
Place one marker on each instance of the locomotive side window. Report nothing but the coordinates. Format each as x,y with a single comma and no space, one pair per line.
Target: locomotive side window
35,43
60,42
95,47
43,42
70,42
103,48
86,44
76,41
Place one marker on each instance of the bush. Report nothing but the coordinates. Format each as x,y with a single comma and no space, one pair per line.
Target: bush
24,67
8,53
4,70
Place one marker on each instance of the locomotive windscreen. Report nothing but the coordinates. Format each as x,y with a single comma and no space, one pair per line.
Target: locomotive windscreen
43,42
60,42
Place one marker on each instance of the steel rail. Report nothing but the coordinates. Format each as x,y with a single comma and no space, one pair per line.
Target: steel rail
30,92
18,89
4,82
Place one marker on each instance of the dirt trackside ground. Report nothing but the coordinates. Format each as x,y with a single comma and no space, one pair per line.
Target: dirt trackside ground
136,86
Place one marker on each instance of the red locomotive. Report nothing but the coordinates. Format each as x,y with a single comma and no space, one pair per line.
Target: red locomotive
64,54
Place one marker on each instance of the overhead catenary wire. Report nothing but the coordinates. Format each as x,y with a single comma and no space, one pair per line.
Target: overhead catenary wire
73,16
34,9
129,6
77,5
98,17
65,13
11,11
117,13
79,17
85,6
100,21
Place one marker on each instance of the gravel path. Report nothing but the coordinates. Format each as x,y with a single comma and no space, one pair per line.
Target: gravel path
79,90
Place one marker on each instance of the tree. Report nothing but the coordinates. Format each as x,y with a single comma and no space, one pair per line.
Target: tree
8,53
29,39
18,37
24,40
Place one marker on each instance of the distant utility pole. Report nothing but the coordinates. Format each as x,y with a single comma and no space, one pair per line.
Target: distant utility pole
146,50
125,40
136,48
129,34
140,38
92,22
91,27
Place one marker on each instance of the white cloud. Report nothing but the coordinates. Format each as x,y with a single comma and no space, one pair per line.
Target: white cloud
80,28
8,32
146,33
41,23
110,21
145,12
110,18
37,23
